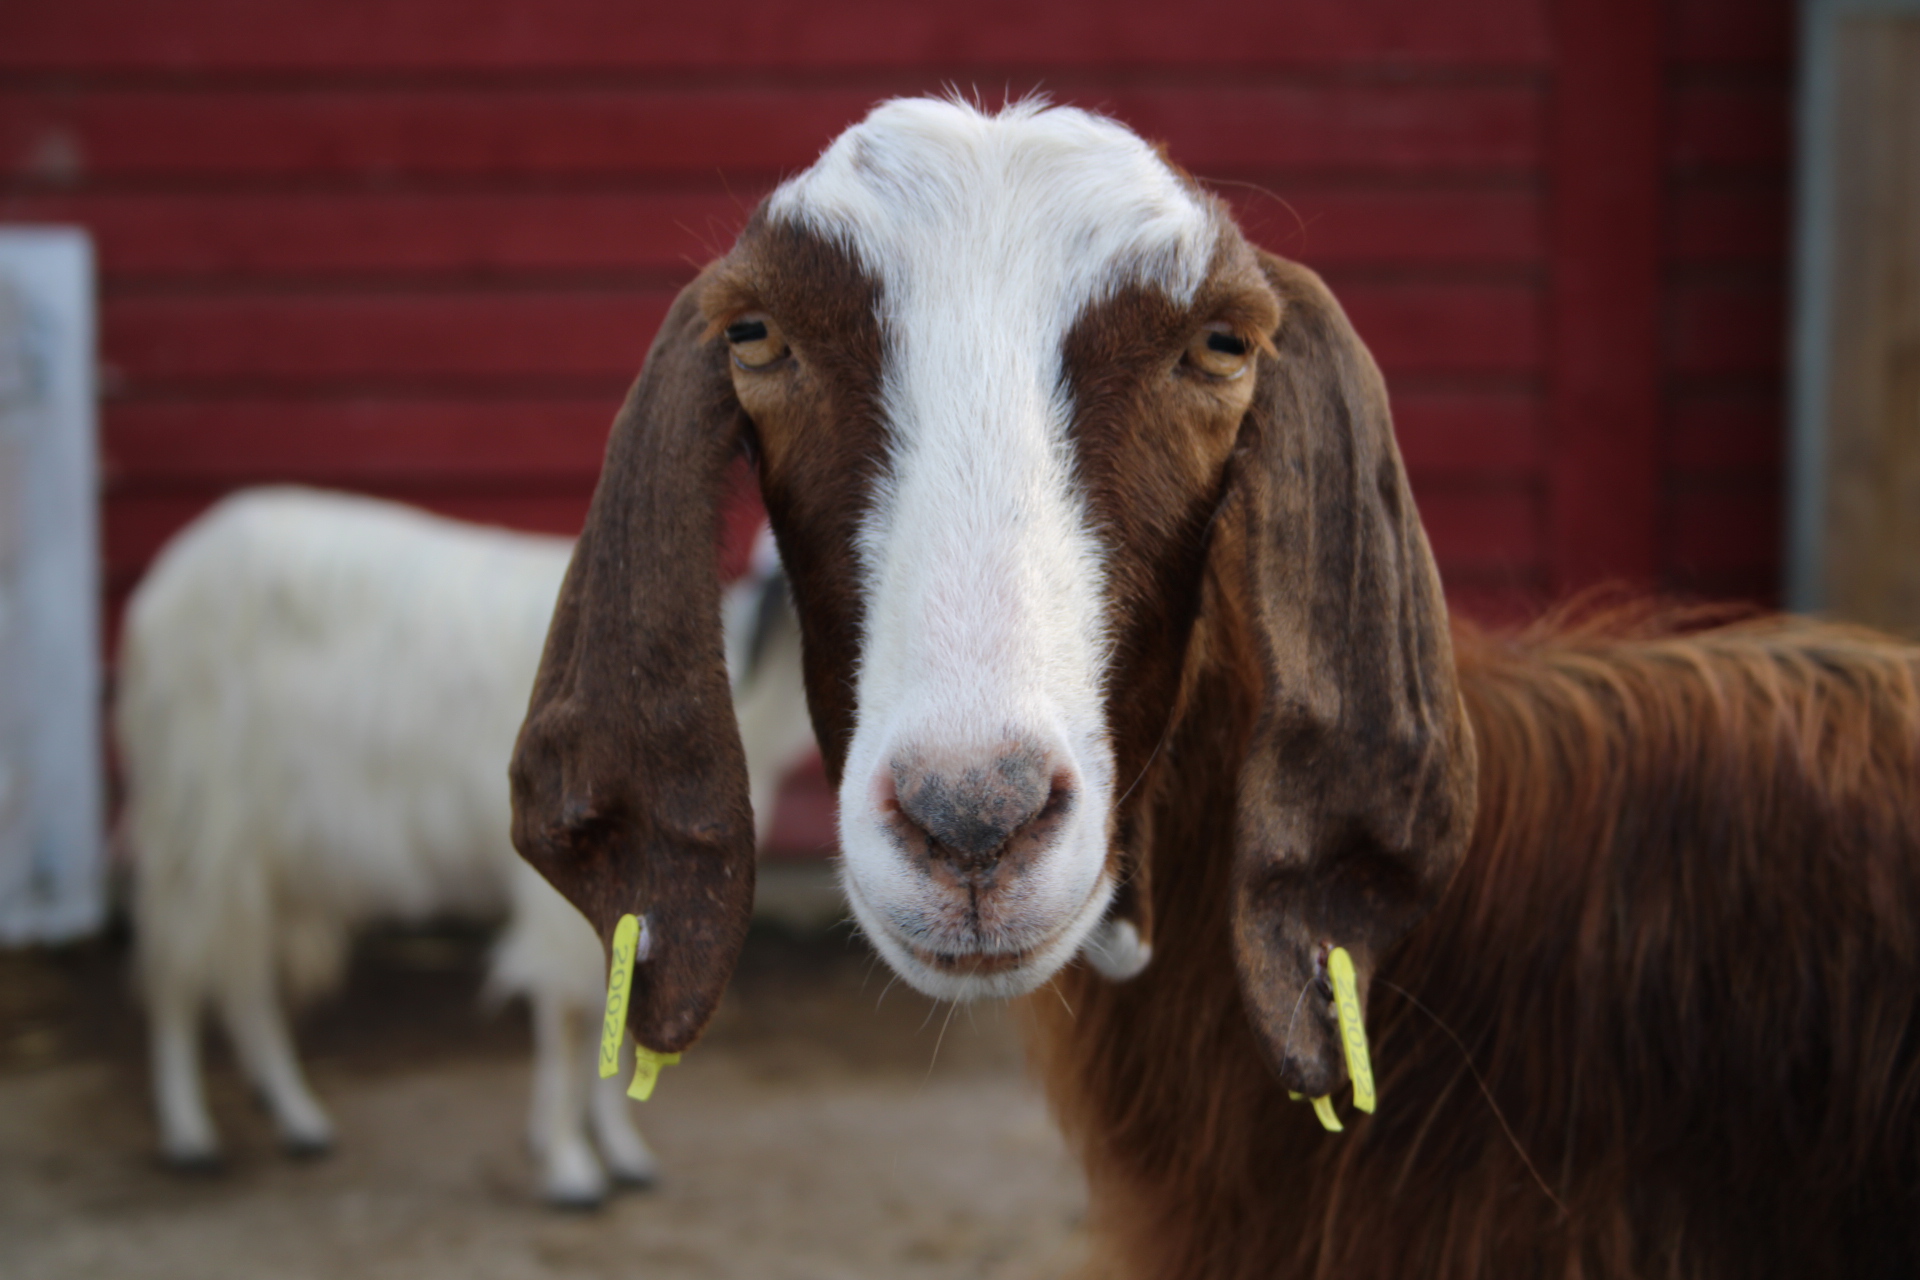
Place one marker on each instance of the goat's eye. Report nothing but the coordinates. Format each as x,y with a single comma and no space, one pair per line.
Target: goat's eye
756,341
1219,351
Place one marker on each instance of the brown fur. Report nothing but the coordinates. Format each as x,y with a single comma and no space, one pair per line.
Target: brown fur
812,478
1683,952
1354,788
629,781
1153,446
628,778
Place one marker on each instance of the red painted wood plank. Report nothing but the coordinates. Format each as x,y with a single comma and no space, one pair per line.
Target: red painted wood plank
1740,222
1718,327
1479,529
1415,127
183,342
1604,386
387,135
1335,226
533,442
1731,31
1717,125
1451,435
1732,527
1717,432
152,237
506,35
1758,586
320,339
305,234
1433,327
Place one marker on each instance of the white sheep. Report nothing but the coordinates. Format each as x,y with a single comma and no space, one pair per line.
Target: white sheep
318,696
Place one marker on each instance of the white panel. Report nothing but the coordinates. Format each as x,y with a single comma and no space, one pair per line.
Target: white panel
52,861
1818,234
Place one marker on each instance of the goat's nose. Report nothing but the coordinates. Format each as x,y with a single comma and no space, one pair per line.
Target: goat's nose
971,812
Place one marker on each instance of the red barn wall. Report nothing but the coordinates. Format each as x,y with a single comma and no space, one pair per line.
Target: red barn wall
1724,250
420,248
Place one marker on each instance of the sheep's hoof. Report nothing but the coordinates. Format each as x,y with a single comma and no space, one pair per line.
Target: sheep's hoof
575,1201
572,1179
201,1162
307,1146
635,1179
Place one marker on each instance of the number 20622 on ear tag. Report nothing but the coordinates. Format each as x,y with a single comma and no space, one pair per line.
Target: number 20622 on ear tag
646,1063
1353,1027
626,936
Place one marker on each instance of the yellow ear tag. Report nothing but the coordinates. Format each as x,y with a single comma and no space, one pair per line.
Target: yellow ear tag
626,936
1323,1107
646,1071
1353,1027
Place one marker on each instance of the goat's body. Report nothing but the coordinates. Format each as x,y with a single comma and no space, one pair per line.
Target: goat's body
981,382
318,698
282,626
1683,954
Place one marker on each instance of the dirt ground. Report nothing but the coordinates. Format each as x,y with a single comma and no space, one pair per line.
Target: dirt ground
814,1133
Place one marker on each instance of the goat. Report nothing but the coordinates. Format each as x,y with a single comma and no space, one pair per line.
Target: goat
1126,651
318,695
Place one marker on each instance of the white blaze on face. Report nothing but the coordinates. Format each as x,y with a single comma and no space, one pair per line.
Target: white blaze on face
983,582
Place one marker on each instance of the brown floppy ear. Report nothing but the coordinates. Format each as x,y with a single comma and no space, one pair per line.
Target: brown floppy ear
1357,794
629,783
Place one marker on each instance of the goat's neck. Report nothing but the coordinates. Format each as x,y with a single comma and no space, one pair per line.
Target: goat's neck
1184,1131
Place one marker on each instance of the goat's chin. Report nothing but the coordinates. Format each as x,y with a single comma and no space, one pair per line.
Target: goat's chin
981,975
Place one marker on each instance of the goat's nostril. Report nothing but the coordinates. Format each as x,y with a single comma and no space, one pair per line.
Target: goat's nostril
886,792
971,811
1059,795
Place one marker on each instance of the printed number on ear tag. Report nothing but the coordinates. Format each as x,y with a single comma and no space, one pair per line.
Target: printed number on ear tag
1353,1028
626,937
646,1071
646,1063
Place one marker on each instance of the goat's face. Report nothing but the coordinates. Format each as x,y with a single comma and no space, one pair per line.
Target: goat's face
1001,374
995,368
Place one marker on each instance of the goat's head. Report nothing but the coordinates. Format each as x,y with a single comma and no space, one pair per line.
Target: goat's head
1026,405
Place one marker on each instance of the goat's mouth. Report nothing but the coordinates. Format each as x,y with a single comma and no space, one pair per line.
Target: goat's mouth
956,969
978,964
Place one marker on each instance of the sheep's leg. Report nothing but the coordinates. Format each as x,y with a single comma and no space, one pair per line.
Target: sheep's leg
571,1176
258,1028
187,1137
628,1157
